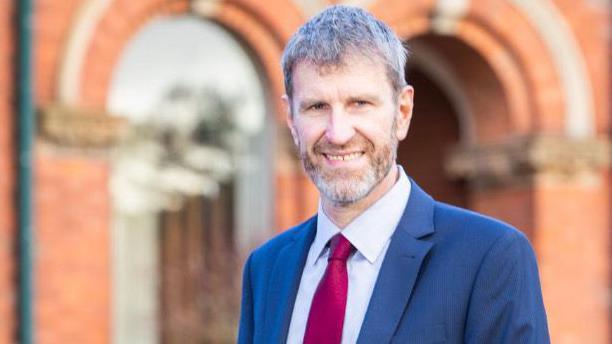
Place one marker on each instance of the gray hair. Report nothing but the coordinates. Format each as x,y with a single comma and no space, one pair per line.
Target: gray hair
329,37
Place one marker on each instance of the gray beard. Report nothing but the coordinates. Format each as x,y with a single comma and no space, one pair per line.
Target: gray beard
344,188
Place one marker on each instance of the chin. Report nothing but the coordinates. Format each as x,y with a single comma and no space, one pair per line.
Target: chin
345,192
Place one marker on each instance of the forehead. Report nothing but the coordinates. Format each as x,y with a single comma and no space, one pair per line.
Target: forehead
352,76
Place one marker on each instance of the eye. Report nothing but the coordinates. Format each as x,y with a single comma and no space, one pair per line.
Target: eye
317,106
360,103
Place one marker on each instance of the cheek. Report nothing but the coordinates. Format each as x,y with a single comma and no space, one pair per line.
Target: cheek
303,141
381,122
379,132
309,133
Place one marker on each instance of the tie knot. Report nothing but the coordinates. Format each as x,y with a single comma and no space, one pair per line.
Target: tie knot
340,248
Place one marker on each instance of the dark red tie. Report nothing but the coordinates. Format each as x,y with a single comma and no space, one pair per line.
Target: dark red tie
326,316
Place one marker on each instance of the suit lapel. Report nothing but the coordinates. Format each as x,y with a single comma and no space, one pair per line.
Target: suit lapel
284,284
400,269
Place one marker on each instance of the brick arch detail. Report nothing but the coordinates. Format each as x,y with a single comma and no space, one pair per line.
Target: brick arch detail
94,35
251,22
530,82
266,45
569,62
519,43
509,44
442,74
507,71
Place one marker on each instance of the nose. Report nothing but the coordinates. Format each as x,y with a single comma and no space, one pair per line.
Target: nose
340,128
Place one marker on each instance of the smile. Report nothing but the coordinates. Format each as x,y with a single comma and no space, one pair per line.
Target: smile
343,157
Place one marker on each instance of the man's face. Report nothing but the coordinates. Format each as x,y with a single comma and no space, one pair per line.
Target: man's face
347,122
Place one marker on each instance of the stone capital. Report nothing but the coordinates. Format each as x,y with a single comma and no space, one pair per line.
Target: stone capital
521,159
76,127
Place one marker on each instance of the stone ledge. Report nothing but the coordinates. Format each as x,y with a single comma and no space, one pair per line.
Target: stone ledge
520,159
75,127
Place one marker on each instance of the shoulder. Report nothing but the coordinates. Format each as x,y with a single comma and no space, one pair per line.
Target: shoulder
499,268
480,233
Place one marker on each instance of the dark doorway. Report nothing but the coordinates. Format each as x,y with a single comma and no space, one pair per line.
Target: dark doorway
199,272
433,131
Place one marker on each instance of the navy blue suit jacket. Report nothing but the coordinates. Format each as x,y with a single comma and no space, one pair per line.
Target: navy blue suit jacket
449,276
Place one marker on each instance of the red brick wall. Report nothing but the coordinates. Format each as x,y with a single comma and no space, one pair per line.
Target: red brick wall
52,24
573,243
72,261
8,293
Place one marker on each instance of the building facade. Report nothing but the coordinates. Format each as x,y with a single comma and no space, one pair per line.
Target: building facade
512,119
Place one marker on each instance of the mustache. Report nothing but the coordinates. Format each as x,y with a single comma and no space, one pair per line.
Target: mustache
356,143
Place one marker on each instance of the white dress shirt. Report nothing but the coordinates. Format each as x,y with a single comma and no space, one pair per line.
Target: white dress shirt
370,234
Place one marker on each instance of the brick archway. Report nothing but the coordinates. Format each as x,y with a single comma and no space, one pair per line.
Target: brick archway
511,47
257,24
540,201
253,23
483,108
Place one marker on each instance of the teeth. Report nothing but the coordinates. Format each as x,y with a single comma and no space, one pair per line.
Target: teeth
343,157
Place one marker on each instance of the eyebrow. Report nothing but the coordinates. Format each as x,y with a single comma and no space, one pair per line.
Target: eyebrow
305,103
370,98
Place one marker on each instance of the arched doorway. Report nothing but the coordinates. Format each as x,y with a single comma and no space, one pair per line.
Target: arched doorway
434,130
459,102
191,181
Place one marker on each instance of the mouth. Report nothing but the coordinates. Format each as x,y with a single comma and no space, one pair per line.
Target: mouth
343,156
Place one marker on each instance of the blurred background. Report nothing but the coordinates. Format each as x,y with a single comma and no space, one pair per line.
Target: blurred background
144,153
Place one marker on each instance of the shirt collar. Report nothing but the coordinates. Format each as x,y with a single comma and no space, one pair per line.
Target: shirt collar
372,229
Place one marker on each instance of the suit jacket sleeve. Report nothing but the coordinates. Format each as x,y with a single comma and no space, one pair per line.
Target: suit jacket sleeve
506,302
245,331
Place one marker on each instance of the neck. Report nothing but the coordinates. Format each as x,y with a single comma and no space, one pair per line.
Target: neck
343,214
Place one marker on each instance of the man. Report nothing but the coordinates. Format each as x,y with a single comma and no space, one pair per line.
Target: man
381,261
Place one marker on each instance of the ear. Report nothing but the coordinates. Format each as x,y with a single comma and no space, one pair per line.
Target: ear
404,111
290,123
